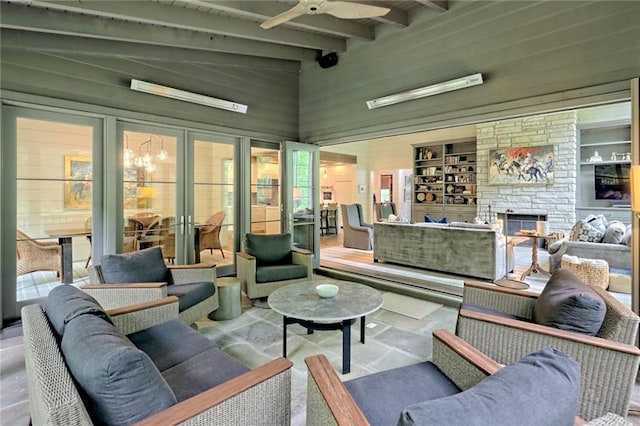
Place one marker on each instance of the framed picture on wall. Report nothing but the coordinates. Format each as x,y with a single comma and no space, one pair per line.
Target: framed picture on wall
78,179
527,165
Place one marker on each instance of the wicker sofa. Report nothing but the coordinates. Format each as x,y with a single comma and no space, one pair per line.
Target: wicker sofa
141,365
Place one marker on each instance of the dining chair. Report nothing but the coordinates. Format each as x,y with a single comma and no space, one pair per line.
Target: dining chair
210,234
33,255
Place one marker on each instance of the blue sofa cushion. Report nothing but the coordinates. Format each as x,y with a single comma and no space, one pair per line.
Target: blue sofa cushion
429,219
66,302
269,249
170,343
382,395
142,266
120,382
191,294
267,274
202,372
569,304
540,389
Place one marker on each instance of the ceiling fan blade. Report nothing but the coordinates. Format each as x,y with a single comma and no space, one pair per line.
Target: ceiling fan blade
294,12
347,10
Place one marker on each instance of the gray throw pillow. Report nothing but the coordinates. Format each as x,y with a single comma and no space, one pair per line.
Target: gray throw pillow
540,389
121,383
569,304
142,266
614,232
269,249
626,238
66,302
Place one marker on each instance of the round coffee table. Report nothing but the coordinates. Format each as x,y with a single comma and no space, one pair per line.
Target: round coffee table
299,304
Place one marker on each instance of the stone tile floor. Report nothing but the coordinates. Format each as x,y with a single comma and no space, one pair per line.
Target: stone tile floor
392,340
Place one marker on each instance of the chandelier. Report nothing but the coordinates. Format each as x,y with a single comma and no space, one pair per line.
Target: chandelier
145,158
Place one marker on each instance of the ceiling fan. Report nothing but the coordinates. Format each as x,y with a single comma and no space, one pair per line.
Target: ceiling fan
339,9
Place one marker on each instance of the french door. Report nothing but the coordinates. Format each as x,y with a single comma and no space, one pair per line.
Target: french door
302,200
51,175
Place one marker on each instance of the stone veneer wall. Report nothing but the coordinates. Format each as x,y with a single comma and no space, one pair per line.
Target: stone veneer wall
558,199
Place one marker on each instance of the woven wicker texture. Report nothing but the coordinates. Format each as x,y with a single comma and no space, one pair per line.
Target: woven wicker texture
609,419
500,301
594,273
318,412
459,370
35,255
135,321
110,298
53,398
210,235
604,389
267,403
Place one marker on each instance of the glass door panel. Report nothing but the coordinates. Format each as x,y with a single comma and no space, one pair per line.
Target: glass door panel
149,183
266,213
54,199
301,168
214,201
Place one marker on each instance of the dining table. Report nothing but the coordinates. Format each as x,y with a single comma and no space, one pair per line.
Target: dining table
65,237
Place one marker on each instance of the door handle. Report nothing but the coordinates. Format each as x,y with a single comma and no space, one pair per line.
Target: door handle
181,225
190,225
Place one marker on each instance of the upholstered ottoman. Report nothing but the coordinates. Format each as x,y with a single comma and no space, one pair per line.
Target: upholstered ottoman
591,271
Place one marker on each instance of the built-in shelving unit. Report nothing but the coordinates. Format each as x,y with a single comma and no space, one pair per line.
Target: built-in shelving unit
604,159
445,181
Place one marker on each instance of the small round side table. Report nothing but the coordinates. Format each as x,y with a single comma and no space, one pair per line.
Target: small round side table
229,294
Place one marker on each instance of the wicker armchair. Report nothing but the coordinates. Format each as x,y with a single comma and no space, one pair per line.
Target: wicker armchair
116,295
167,237
609,361
210,234
330,400
35,255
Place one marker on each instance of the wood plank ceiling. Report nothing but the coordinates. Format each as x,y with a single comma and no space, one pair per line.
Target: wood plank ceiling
200,25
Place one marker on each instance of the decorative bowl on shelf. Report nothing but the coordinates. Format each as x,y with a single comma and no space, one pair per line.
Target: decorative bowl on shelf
327,290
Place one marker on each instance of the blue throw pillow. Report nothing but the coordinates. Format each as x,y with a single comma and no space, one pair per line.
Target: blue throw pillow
66,302
121,383
429,219
569,304
540,389
142,266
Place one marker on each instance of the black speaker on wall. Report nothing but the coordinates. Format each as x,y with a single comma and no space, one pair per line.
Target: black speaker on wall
328,60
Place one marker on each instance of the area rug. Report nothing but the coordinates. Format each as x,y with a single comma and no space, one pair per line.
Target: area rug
408,306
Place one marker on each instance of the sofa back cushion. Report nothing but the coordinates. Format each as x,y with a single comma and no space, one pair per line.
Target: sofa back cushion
269,249
540,389
120,382
66,302
142,266
569,304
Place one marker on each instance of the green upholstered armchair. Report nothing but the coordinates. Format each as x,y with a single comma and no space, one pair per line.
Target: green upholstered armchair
268,262
141,276
499,322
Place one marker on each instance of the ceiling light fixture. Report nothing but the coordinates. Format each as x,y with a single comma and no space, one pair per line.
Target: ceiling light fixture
182,95
422,92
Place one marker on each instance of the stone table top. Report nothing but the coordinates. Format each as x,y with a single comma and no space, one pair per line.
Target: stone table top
301,301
